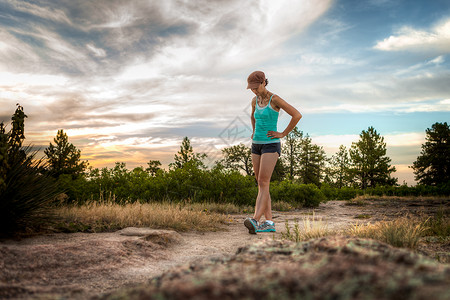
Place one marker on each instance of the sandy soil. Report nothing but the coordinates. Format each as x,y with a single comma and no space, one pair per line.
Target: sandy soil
80,265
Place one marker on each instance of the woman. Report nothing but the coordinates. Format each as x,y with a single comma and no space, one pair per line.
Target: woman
266,146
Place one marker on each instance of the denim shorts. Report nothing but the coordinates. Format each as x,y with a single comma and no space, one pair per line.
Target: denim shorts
260,149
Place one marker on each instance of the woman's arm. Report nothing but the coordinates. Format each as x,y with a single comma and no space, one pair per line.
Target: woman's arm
292,111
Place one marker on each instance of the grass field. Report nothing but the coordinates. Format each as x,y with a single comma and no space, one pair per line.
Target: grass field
97,217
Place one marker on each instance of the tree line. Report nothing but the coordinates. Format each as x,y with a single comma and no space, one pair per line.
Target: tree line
303,174
364,165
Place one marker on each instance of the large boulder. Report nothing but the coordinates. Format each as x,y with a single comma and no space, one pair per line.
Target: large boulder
325,268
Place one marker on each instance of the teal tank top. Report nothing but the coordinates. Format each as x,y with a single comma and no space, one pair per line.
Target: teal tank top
266,119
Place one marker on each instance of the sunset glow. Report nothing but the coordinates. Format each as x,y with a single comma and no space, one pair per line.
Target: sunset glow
128,80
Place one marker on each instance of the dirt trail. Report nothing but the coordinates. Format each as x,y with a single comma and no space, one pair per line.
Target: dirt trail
80,265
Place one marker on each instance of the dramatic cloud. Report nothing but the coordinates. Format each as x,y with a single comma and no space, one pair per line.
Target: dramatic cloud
410,39
127,80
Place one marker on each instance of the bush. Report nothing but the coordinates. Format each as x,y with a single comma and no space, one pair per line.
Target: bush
308,195
188,183
329,192
347,193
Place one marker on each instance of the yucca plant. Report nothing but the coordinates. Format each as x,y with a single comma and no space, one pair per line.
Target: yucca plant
25,193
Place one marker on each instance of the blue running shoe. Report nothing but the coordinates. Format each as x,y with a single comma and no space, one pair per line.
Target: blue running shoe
266,227
251,224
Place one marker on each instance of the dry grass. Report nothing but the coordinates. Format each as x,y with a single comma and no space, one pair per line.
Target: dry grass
357,201
313,227
229,208
363,198
439,224
402,232
220,208
96,217
283,206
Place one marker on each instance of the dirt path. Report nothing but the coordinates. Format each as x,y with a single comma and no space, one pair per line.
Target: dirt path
85,264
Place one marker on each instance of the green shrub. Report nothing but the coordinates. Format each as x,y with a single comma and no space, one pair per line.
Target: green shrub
188,183
347,193
308,195
329,192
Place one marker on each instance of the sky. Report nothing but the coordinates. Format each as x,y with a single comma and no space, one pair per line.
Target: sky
127,80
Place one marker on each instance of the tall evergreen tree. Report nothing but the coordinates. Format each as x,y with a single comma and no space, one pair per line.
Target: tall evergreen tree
64,157
311,162
279,172
186,155
371,166
340,168
291,152
432,167
238,157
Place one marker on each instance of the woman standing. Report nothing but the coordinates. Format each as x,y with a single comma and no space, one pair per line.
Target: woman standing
266,146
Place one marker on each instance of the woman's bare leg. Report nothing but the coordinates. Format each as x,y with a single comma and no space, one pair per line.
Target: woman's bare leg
256,160
263,202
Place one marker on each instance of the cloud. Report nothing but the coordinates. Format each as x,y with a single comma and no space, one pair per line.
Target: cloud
14,53
420,87
136,54
96,51
227,35
333,141
404,139
46,13
409,39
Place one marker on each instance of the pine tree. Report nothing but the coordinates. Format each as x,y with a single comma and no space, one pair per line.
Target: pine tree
64,157
279,172
186,155
371,166
340,168
238,157
432,167
311,162
291,152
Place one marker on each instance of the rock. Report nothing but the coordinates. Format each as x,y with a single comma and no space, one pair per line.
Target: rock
140,231
157,236
325,268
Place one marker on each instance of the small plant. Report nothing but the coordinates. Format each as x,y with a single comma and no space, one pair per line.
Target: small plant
363,216
357,201
313,227
439,224
292,236
282,206
403,232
